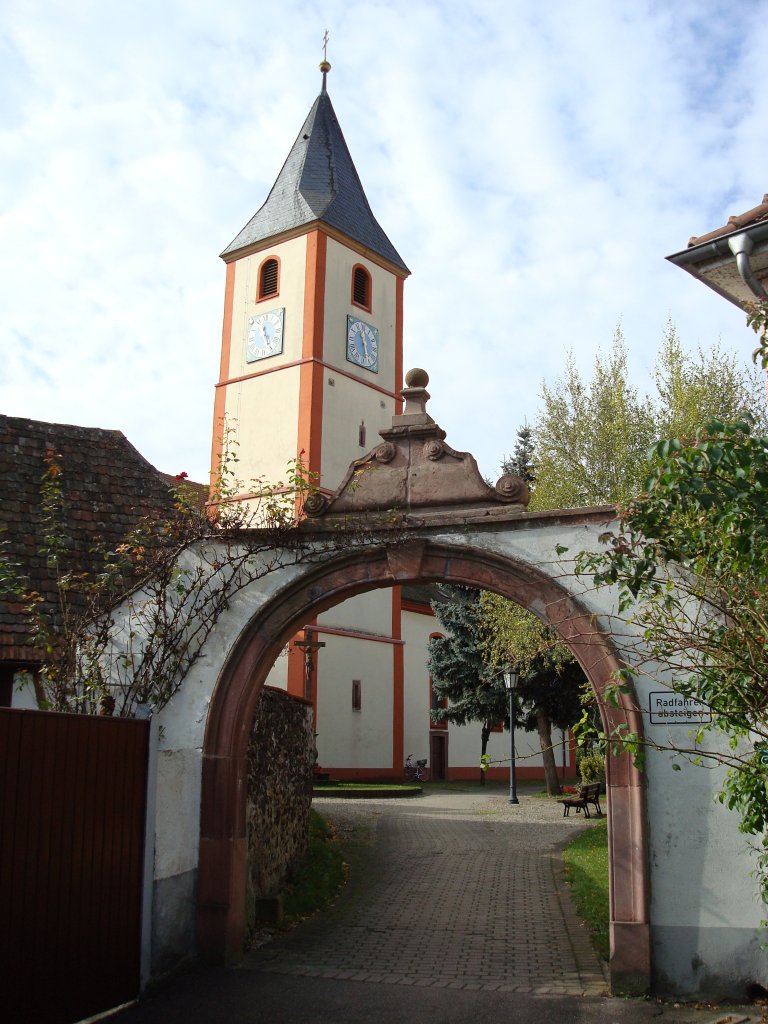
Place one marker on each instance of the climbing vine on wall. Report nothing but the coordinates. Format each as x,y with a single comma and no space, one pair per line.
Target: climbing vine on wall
126,632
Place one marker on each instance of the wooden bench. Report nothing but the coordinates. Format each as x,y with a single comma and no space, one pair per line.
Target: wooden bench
589,794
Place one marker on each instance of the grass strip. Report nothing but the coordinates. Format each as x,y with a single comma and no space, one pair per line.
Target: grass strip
586,871
332,786
319,878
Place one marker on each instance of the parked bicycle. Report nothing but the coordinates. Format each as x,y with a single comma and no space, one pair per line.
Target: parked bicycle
415,771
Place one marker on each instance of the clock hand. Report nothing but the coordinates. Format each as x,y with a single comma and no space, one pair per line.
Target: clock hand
365,343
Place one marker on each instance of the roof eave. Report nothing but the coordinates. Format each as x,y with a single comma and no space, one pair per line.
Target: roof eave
400,270
698,258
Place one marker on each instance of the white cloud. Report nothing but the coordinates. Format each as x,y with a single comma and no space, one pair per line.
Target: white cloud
532,163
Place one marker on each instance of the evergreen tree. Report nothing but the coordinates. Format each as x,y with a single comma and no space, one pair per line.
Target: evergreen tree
550,680
520,462
475,692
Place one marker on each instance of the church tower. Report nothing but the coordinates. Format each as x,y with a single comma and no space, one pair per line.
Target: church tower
311,355
311,365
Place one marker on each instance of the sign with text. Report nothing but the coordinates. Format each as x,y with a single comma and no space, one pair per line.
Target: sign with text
667,708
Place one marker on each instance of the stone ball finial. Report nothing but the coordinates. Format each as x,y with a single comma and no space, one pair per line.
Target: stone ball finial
417,378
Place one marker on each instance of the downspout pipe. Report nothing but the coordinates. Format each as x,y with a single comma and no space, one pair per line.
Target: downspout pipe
694,257
741,246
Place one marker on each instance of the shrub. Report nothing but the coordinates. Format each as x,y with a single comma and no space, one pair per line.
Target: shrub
591,768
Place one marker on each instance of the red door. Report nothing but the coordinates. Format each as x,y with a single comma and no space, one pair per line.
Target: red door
438,755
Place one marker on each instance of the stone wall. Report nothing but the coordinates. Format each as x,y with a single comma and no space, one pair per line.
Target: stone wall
281,755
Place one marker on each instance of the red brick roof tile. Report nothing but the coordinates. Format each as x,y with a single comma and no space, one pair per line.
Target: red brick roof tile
107,488
740,220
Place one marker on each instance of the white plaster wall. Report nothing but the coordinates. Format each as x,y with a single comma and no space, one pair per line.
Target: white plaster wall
23,693
464,746
366,613
703,896
415,631
278,674
705,913
178,798
347,738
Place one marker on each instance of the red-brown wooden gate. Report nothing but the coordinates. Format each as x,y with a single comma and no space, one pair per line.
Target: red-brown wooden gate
72,813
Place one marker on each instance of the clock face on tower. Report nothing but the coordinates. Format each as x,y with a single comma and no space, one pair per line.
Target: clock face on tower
264,335
363,344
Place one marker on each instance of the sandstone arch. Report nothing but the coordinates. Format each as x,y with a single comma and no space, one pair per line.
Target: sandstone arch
461,558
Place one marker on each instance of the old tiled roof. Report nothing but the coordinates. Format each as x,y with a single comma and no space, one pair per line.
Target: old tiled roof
318,182
741,220
107,487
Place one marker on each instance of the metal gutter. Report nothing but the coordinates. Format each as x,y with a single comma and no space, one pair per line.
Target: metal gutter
691,258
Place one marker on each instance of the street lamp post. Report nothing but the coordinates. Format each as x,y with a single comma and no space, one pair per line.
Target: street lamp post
510,681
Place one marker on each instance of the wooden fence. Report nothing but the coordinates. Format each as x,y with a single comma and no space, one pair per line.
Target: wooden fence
72,819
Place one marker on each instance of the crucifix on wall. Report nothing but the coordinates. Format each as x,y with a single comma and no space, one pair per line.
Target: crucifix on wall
309,645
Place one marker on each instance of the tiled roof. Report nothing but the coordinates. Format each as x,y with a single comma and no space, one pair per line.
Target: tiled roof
318,182
107,487
740,220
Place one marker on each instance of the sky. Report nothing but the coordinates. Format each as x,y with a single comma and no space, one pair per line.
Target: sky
533,163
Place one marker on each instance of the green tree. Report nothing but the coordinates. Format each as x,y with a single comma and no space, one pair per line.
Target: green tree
757,319
171,576
591,441
550,679
592,437
690,560
521,461
473,689
692,390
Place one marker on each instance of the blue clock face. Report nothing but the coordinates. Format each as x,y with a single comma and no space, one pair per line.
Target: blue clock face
363,344
264,335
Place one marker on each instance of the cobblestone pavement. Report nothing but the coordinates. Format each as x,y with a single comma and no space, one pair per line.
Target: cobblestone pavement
448,891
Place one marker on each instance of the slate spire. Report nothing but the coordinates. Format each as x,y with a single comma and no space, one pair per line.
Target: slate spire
318,182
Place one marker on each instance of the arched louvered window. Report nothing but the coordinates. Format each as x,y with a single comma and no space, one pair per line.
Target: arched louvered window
361,288
269,278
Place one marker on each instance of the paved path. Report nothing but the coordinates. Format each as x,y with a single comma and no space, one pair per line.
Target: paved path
448,891
455,914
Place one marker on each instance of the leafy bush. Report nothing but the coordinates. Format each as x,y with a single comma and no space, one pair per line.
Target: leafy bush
591,768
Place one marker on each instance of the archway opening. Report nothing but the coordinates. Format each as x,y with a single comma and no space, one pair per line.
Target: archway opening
222,866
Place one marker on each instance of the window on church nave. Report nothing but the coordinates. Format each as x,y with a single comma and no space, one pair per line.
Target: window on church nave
361,288
268,278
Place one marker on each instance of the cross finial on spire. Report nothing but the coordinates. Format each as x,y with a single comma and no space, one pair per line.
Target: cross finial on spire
325,67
